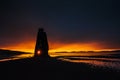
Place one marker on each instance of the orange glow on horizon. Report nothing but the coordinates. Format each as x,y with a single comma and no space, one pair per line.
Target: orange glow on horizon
77,47
58,47
25,47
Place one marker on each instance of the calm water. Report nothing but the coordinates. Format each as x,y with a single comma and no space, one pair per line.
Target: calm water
108,60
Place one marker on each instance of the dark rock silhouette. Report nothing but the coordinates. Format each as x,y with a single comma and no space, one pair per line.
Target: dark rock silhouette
41,48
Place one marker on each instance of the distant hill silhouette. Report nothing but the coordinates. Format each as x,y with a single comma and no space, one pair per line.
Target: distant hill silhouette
4,51
9,53
88,51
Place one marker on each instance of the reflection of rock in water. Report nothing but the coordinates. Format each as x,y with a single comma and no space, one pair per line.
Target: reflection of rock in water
41,48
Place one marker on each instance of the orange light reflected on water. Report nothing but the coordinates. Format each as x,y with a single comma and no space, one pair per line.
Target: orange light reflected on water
96,61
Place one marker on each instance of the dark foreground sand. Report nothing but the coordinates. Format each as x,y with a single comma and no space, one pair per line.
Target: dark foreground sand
53,69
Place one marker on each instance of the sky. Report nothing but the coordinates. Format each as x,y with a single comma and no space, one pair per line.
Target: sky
69,24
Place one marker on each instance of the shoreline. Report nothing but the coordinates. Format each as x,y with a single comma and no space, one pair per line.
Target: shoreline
53,69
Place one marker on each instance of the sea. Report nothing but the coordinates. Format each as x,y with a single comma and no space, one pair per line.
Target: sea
95,59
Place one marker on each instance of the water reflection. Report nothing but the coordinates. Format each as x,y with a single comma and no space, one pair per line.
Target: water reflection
103,62
79,54
14,57
108,60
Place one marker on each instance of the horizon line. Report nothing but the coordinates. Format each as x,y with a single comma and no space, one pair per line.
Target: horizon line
84,51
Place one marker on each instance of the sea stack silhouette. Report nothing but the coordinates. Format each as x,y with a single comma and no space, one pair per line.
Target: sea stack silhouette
41,47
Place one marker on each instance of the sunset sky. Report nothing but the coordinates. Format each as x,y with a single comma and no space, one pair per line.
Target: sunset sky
71,25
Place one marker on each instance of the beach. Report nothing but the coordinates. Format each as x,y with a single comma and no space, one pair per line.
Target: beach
53,69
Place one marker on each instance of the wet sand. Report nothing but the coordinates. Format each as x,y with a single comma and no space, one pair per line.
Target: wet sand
53,69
